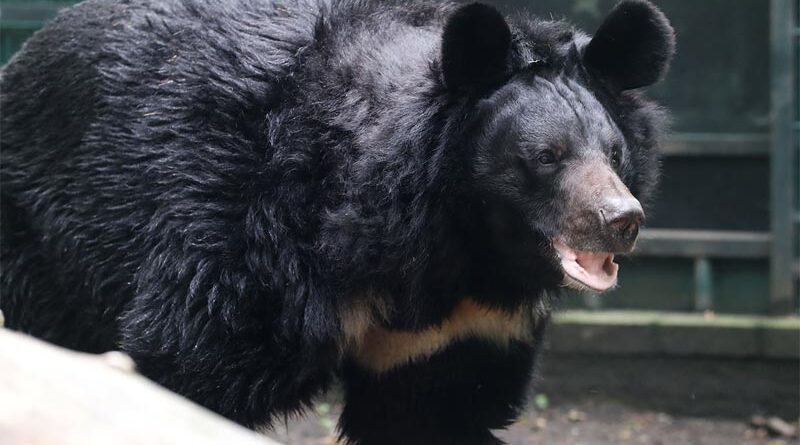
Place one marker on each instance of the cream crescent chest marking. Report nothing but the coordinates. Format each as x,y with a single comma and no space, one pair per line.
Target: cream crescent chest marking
381,349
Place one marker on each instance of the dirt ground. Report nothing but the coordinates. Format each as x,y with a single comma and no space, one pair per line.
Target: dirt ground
617,401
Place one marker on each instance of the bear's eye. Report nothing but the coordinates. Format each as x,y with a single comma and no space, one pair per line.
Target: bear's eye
615,157
546,157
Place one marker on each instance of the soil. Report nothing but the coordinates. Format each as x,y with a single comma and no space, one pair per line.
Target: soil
580,400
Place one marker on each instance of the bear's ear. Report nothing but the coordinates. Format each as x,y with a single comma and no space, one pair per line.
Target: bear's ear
633,47
476,49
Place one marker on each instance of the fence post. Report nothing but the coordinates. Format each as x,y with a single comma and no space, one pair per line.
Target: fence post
783,97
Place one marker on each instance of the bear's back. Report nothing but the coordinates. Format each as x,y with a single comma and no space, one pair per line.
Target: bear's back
156,132
130,127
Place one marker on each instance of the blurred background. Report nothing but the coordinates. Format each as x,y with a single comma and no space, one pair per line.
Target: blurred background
700,343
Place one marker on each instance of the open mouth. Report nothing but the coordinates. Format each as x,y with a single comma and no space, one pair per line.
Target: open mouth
584,269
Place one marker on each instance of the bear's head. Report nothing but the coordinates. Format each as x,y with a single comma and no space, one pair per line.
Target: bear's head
561,148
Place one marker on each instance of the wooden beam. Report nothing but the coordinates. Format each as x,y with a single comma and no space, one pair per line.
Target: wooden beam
717,144
49,395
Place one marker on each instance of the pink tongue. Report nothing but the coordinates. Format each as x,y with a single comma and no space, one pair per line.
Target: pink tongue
595,270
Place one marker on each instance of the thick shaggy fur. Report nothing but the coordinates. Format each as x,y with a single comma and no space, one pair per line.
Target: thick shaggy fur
220,188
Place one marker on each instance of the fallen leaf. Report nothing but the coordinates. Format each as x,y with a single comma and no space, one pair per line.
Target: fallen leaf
576,416
541,401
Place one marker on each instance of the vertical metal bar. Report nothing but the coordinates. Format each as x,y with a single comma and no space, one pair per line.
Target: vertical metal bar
782,13
703,285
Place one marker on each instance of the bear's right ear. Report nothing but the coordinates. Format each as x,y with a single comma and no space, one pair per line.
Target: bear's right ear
476,49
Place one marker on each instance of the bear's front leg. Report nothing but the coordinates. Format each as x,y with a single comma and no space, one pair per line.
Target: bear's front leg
454,396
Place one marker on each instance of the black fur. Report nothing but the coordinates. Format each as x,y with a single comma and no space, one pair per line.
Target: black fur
633,46
476,49
456,396
210,185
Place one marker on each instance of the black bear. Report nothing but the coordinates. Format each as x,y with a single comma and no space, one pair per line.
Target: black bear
254,197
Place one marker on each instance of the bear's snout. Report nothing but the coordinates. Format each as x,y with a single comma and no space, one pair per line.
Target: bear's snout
603,215
622,217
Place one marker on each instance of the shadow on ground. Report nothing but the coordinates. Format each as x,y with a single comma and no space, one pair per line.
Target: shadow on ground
717,388
584,400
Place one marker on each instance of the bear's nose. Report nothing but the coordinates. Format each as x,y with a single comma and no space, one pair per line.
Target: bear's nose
622,217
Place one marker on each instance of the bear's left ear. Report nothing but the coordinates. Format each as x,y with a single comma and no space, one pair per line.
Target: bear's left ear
476,49
633,47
